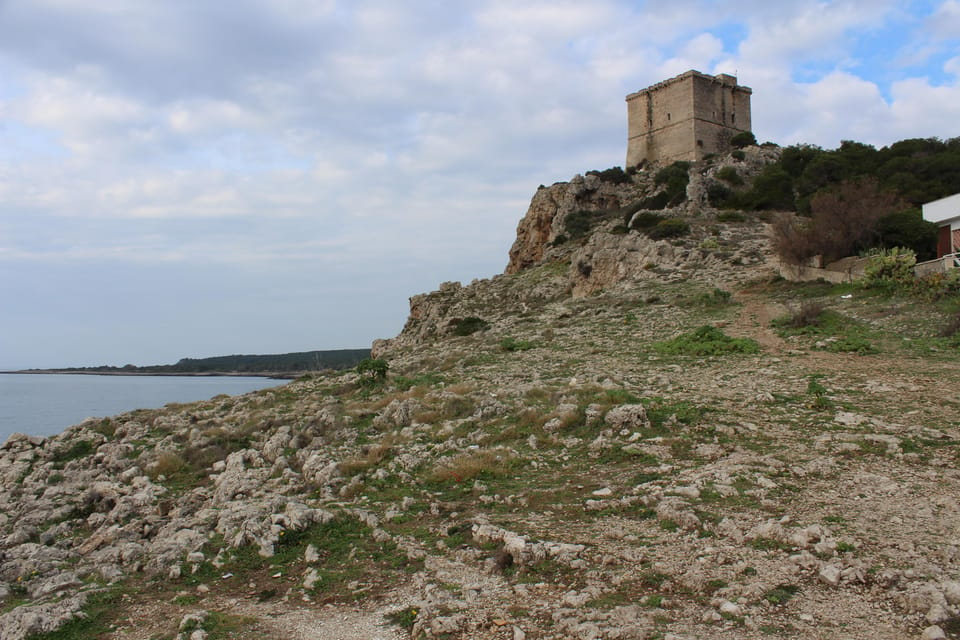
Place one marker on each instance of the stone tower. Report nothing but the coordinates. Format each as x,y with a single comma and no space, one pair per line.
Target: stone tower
686,118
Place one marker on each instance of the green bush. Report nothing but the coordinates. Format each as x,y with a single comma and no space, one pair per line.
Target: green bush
737,154
731,216
578,223
936,286
850,344
616,175
512,344
716,298
890,269
372,370
674,179
706,341
646,220
743,139
669,228
781,594
719,195
772,189
907,228
468,325
79,449
730,176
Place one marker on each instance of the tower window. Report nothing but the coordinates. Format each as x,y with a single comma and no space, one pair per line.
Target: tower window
668,116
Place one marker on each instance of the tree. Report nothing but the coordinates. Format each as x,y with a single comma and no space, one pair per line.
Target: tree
372,370
743,139
843,221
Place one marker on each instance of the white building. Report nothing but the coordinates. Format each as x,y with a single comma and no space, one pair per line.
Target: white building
945,213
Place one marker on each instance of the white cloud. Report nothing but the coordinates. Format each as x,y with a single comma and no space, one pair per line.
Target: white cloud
944,24
378,138
699,53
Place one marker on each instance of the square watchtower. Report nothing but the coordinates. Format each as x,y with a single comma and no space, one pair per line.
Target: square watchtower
686,118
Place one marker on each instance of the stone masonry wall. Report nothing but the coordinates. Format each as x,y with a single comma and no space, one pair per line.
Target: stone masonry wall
685,118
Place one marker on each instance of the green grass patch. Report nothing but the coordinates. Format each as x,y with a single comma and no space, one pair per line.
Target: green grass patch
405,618
510,343
79,449
706,341
781,594
98,616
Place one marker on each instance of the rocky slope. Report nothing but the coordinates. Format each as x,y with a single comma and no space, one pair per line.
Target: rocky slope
538,464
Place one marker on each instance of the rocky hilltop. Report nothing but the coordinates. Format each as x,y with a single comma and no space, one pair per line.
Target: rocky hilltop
628,434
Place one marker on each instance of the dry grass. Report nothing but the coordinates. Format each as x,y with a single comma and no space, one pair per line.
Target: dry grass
168,463
427,416
369,457
467,466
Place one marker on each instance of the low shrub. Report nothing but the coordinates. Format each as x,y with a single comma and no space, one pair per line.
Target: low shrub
715,298
674,179
77,450
890,269
468,326
616,175
936,286
467,466
578,223
706,341
731,216
669,228
781,594
512,344
850,344
952,328
730,176
719,195
743,139
372,370
809,314
644,220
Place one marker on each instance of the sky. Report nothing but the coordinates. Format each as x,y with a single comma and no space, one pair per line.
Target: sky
190,179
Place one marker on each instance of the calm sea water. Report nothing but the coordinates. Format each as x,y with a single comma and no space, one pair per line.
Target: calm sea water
45,405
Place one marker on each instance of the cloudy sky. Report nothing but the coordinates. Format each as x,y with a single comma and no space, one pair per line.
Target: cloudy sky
197,178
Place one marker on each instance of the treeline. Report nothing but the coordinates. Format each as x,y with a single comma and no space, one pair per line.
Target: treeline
856,187
301,361
274,363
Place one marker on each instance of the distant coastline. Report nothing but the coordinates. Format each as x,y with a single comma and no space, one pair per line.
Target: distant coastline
278,366
287,375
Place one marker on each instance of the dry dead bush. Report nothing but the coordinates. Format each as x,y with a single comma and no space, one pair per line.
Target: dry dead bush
460,389
843,221
469,465
427,416
369,457
952,327
808,315
167,464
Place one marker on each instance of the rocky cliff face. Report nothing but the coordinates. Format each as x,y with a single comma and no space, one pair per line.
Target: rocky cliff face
549,210
609,255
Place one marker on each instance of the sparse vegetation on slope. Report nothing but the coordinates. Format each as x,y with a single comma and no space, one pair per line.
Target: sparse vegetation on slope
657,455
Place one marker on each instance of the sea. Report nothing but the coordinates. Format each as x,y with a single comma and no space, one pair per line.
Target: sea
46,404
